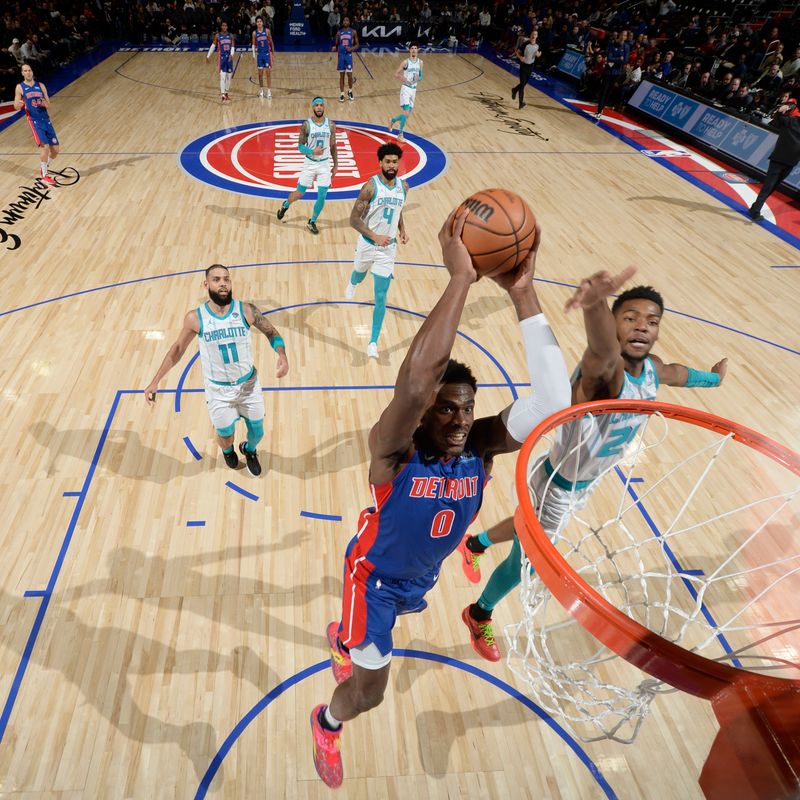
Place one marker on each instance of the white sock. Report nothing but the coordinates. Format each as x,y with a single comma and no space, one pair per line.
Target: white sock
227,81
331,720
43,167
222,83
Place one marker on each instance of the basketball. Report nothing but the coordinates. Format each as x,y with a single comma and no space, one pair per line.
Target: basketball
499,230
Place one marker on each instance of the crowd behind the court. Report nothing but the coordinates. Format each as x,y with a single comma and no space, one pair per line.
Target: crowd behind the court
745,66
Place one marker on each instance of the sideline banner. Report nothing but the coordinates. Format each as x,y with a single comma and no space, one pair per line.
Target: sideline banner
715,128
297,27
573,62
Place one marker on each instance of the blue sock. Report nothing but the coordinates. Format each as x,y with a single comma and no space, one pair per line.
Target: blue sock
356,277
381,285
483,538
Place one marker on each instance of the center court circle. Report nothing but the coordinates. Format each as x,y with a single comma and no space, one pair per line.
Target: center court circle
262,159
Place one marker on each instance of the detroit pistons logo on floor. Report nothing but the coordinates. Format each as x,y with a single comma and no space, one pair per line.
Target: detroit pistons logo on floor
262,158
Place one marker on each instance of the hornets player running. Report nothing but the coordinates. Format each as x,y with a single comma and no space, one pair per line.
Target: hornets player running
318,144
346,45
223,41
378,216
32,96
232,387
410,74
618,363
428,467
263,49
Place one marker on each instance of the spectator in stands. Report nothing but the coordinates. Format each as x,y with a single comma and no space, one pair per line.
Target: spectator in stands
631,80
705,88
615,61
16,51
771,81
680,80
666,7
792,67
666,66
742,100
726,99
724,85
784,156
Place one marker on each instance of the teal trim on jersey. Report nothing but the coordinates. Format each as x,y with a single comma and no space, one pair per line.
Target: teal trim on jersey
200,317
375,189
369,241
226,433
235,383
563,483
380,178
224,316
318,160
244,317
640,380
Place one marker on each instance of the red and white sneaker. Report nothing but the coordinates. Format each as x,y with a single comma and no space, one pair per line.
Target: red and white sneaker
470,562
481,637
49,180
327,758
341,663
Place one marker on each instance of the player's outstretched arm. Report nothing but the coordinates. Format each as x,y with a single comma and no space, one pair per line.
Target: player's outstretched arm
191,328
505,432
422,368
680,375
602,367
260,322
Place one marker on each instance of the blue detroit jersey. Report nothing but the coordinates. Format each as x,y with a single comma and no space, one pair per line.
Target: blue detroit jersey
345,40
224,44
34,102
420,516
262,43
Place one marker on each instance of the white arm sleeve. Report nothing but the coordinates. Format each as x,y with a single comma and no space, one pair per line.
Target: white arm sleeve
233,49
549,380
210,50
254,51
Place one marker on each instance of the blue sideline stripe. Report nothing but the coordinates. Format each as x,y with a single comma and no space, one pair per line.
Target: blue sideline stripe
37,623
71,494
274,694
35,593
679,569
182,379
188,442
236,66
788,266
195,523
315,515
243,492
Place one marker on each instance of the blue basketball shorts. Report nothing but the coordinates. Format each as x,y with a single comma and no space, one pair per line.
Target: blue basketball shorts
264,60
225,64
345,62
43,133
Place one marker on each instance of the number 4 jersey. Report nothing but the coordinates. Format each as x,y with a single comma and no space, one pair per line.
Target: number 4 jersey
585,448
226,352
420,516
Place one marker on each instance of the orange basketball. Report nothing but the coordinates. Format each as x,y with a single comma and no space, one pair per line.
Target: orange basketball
499,230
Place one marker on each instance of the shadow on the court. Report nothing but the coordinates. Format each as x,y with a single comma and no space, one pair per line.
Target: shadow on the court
18,169
254,216
691,205
112,165
336,453
123,453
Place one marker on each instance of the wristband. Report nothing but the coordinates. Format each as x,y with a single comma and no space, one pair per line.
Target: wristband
306,149
277,341
698,379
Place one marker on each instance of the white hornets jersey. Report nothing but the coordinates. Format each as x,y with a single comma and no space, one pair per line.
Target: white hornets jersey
319,136
226,352
383,213
603,438
412,74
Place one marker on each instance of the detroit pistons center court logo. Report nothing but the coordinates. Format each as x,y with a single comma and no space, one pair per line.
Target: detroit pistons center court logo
262,158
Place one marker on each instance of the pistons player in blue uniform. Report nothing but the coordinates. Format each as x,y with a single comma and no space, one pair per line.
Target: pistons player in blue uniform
346,44
262,53
32,96
428,467
226,49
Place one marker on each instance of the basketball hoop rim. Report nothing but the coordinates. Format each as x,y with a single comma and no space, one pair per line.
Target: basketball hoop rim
650,652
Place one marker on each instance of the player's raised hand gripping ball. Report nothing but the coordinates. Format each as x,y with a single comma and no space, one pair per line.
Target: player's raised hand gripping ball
499,231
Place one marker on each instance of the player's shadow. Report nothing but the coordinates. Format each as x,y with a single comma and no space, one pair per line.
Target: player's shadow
255,216
112,165
691,205
336,453
475,313
20,171
167,582
123,453
98,661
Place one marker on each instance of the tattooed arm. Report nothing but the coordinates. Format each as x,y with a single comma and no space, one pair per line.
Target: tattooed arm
260,322
359,212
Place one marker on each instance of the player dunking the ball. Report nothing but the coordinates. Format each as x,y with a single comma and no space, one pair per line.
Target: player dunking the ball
378,216
263,48
232,388
32,96
429,463
618,363
318,145
226,49
410,74
346,44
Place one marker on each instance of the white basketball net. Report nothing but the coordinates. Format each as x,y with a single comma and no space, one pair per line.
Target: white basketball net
694,536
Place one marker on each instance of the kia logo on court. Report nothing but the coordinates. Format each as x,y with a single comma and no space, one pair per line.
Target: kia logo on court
262,158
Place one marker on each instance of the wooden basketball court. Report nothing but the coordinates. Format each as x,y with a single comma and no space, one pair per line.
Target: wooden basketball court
148,608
